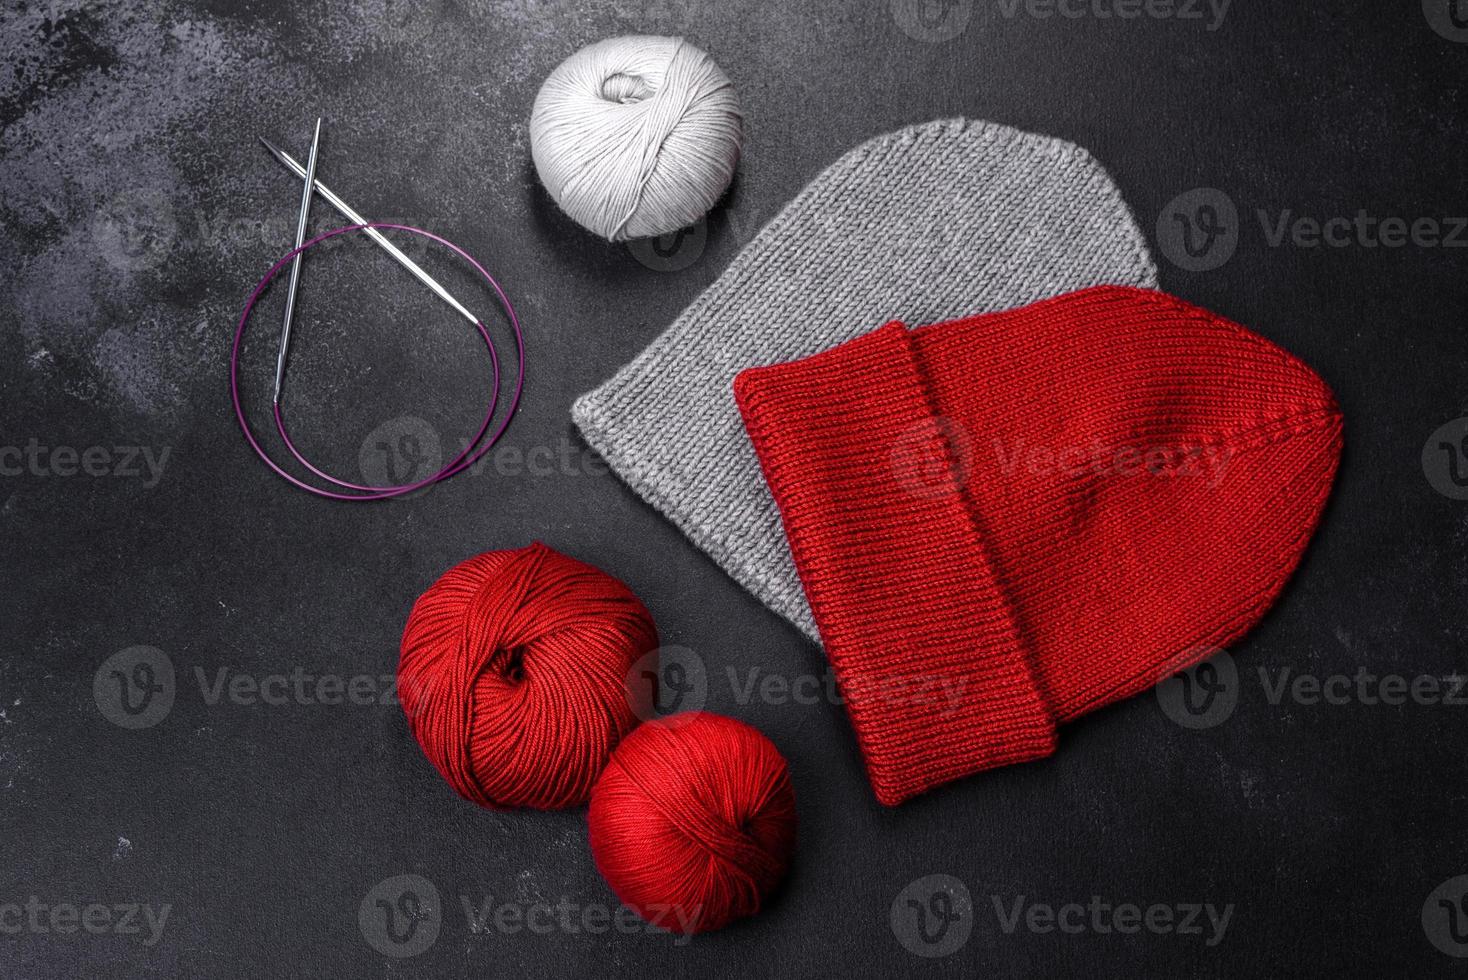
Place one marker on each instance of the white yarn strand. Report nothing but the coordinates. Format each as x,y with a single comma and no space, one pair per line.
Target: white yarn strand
636,137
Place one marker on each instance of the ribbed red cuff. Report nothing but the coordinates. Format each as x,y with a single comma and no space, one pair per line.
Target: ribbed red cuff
921,637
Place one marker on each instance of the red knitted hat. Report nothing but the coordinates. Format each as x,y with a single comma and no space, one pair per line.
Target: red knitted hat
1007,521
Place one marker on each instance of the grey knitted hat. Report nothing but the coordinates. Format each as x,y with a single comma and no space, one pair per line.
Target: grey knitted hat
929,223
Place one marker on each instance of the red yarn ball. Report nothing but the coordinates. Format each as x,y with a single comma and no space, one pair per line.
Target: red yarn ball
513,675
693,821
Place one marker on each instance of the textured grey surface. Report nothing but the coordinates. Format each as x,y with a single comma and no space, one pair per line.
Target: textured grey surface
933,222
135,213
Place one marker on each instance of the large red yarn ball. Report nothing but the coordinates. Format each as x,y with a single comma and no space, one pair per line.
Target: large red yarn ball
514,675
693,821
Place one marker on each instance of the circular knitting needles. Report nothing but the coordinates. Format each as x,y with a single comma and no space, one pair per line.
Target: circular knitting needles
483,440
290,296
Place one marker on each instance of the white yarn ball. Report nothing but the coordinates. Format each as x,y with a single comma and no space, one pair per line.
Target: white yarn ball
636,136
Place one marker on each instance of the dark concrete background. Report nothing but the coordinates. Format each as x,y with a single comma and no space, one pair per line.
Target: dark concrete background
136,210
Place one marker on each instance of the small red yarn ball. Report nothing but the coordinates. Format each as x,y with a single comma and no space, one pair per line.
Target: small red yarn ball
514,675
693,821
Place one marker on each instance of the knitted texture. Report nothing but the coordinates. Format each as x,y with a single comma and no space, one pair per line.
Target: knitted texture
1007,521
928,223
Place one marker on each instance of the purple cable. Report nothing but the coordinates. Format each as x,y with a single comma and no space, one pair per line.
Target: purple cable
466,458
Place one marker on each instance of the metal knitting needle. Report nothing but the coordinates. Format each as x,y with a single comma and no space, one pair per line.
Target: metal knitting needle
347,212
290,295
